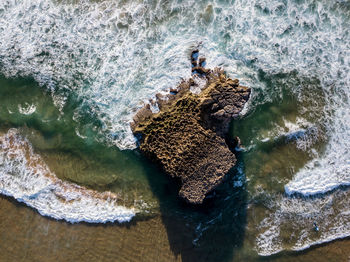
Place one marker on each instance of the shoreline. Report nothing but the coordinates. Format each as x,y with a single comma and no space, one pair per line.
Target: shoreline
119,241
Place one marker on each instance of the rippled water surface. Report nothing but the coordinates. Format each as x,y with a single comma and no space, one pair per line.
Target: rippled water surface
73,74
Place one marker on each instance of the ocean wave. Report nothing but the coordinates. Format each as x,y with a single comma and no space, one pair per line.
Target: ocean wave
115,56
289,224
26,177
326,173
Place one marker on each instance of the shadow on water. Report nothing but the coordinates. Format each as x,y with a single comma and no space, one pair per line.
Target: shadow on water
211,231
215,231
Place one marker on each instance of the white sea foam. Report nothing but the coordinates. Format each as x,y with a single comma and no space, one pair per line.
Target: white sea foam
303,133
297,216
326,173
26,177
27,109
115,56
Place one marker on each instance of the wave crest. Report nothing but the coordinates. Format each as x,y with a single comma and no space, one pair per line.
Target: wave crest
25,176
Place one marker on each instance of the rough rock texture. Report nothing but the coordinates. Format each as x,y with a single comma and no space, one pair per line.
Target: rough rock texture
187,137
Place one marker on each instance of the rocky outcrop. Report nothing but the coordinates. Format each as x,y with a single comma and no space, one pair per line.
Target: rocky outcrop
187,138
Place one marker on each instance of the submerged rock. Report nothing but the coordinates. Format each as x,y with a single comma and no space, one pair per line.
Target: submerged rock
187,138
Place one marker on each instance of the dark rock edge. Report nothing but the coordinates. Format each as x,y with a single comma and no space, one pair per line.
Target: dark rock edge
188,138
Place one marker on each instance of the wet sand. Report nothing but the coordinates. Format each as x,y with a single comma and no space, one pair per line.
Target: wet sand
27,236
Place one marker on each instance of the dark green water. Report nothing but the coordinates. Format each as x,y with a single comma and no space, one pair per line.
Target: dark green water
226,225
53,134
73,73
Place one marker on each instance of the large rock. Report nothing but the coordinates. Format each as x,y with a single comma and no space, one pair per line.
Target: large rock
187,138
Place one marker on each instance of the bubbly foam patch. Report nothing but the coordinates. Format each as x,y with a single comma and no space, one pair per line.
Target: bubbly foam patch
297,216
26,177
330,171
301,132
115,56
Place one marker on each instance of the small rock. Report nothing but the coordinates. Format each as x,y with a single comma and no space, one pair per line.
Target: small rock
202,62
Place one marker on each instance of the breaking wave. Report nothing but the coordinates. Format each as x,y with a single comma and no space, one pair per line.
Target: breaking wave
295,215
26,177
115,55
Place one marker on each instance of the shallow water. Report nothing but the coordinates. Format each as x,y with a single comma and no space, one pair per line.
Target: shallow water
73,73
41,239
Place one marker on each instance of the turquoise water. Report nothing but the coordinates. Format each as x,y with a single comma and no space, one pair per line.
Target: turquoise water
74,73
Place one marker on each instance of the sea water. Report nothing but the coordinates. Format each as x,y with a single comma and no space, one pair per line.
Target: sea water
97,62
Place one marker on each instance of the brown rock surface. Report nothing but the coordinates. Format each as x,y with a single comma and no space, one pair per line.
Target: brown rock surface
187,137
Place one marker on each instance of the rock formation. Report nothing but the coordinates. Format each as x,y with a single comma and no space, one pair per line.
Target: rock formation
187,137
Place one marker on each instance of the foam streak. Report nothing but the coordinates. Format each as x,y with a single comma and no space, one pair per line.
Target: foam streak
26,177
